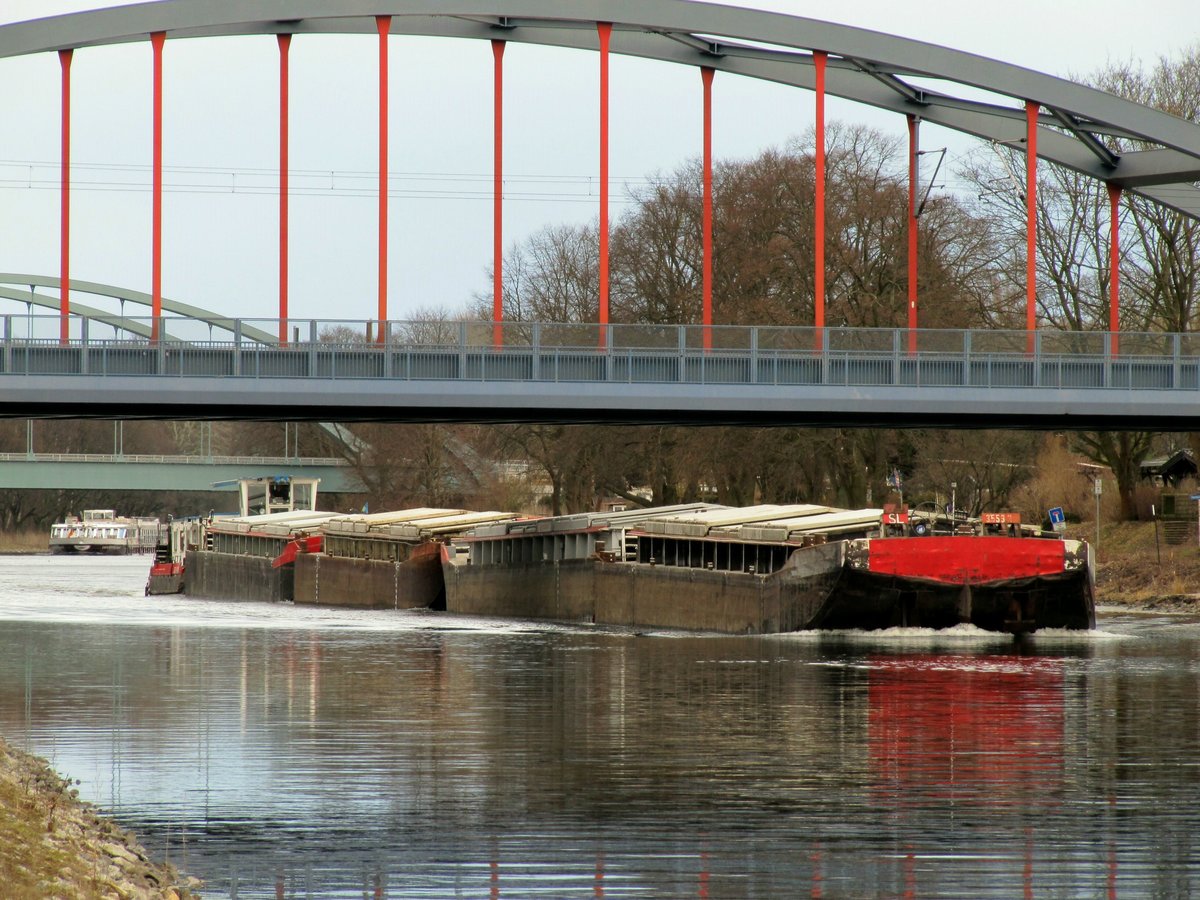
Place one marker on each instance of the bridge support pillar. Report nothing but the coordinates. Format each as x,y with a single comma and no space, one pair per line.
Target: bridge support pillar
754,355
64,245
237,347
156,41
383,25
604,30
820,58
83,345
497,193
285,43
706,78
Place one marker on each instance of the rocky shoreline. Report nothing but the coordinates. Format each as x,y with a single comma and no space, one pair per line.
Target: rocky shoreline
52,844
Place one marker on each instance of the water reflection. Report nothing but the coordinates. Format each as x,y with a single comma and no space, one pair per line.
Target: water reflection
395,758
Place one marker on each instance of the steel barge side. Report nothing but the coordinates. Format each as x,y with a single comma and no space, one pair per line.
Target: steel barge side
770,569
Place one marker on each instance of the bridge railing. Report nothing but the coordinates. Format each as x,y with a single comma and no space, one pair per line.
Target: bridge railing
631,353
172,459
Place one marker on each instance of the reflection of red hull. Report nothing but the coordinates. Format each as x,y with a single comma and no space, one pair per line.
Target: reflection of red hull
989,728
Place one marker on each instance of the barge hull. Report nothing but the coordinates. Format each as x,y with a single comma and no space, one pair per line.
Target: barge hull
372,584
871,601
231,576
648,596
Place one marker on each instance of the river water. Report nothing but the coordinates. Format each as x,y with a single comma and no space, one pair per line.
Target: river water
275,751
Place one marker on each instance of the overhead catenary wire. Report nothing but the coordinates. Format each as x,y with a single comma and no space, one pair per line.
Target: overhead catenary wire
567,188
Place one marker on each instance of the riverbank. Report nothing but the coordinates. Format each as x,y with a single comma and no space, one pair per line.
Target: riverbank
24,541
52,844
1134,572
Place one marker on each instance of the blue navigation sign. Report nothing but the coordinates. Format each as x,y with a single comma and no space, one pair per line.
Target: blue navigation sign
1058,521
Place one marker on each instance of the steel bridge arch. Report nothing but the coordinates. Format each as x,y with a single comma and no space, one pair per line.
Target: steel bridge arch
12,287
1075,129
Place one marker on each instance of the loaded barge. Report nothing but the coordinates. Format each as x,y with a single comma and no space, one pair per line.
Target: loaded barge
701,567
769,569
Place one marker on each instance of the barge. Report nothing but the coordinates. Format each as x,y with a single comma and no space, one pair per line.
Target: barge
381,560
276,495
770,569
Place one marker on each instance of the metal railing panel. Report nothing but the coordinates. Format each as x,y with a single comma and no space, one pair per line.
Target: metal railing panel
1073,343
1064,372
784,339
564,365
646,337
719,337
930,340
789,369
1143,344
47,358
283,363
1151,375
1000,342
1001,371
200,361
556,336
342,362
712,368
937,371
430,365
864,340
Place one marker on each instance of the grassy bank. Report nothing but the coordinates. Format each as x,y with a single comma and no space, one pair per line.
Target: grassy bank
54,845
1132,571
24,541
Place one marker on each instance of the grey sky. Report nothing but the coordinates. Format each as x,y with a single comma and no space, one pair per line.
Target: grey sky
220,145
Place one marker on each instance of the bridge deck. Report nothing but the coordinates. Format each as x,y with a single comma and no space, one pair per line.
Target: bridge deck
97,471
844,376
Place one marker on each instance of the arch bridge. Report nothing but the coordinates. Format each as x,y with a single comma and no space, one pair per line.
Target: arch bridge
1128,146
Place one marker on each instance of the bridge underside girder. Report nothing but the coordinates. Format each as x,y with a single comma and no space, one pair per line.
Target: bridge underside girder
355,400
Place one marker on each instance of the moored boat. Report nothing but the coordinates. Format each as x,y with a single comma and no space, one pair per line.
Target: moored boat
103,531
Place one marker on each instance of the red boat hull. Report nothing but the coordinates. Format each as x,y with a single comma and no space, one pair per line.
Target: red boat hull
967,559
1006,584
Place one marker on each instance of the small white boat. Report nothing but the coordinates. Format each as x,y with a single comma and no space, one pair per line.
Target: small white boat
102,531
